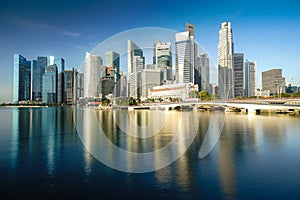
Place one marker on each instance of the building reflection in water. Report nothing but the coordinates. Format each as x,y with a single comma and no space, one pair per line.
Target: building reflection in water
226,156
274,130
38,135
101,135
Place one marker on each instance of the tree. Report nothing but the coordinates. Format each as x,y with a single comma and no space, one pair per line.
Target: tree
204,95
193,94
105,102
132,101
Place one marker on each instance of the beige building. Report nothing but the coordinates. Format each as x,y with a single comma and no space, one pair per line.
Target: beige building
273,81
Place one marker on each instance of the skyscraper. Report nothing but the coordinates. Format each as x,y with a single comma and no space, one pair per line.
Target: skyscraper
250,78
92,75
238,74
203,63
136,63
194,52
113,60
38,70
184,61
72,86
225,61
60,63
22,79
49,92
163,59
186,54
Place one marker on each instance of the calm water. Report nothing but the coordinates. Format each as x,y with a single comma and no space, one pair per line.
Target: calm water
43,156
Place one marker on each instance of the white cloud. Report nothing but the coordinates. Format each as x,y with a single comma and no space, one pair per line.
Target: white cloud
35,25
73,34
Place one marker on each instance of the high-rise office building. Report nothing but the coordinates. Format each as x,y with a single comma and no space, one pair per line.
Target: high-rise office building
113,60
92,75
225,61
136,63
49,92
163,59
150,78
250,79
194,52
21,79
73,86
184,58
273,81
238,74
203,68
60,63
38,70
163,55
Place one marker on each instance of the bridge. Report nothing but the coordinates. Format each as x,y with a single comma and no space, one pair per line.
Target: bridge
248,106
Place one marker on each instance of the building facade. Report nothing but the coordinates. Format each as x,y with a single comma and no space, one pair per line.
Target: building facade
250,79
203,63
184,56
136,63
113,60
150,78
238,74
21,79
225,61
163,60
38,70
178,90
92,75
273,81
73,86
49,94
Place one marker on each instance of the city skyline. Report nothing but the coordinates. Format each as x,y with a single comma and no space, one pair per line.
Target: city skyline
267,35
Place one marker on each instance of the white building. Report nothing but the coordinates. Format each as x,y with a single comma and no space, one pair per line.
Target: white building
179,90
185,57
225,61
136,63
92,75
250,79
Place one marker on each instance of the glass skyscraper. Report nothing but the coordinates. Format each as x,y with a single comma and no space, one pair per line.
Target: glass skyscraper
38,70
49,94
60,63
22,79
238,74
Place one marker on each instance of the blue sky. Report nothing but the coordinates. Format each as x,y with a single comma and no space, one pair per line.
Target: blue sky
266,31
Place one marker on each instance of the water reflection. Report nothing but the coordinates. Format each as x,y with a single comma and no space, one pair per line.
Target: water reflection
254,152
136,153
39,132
